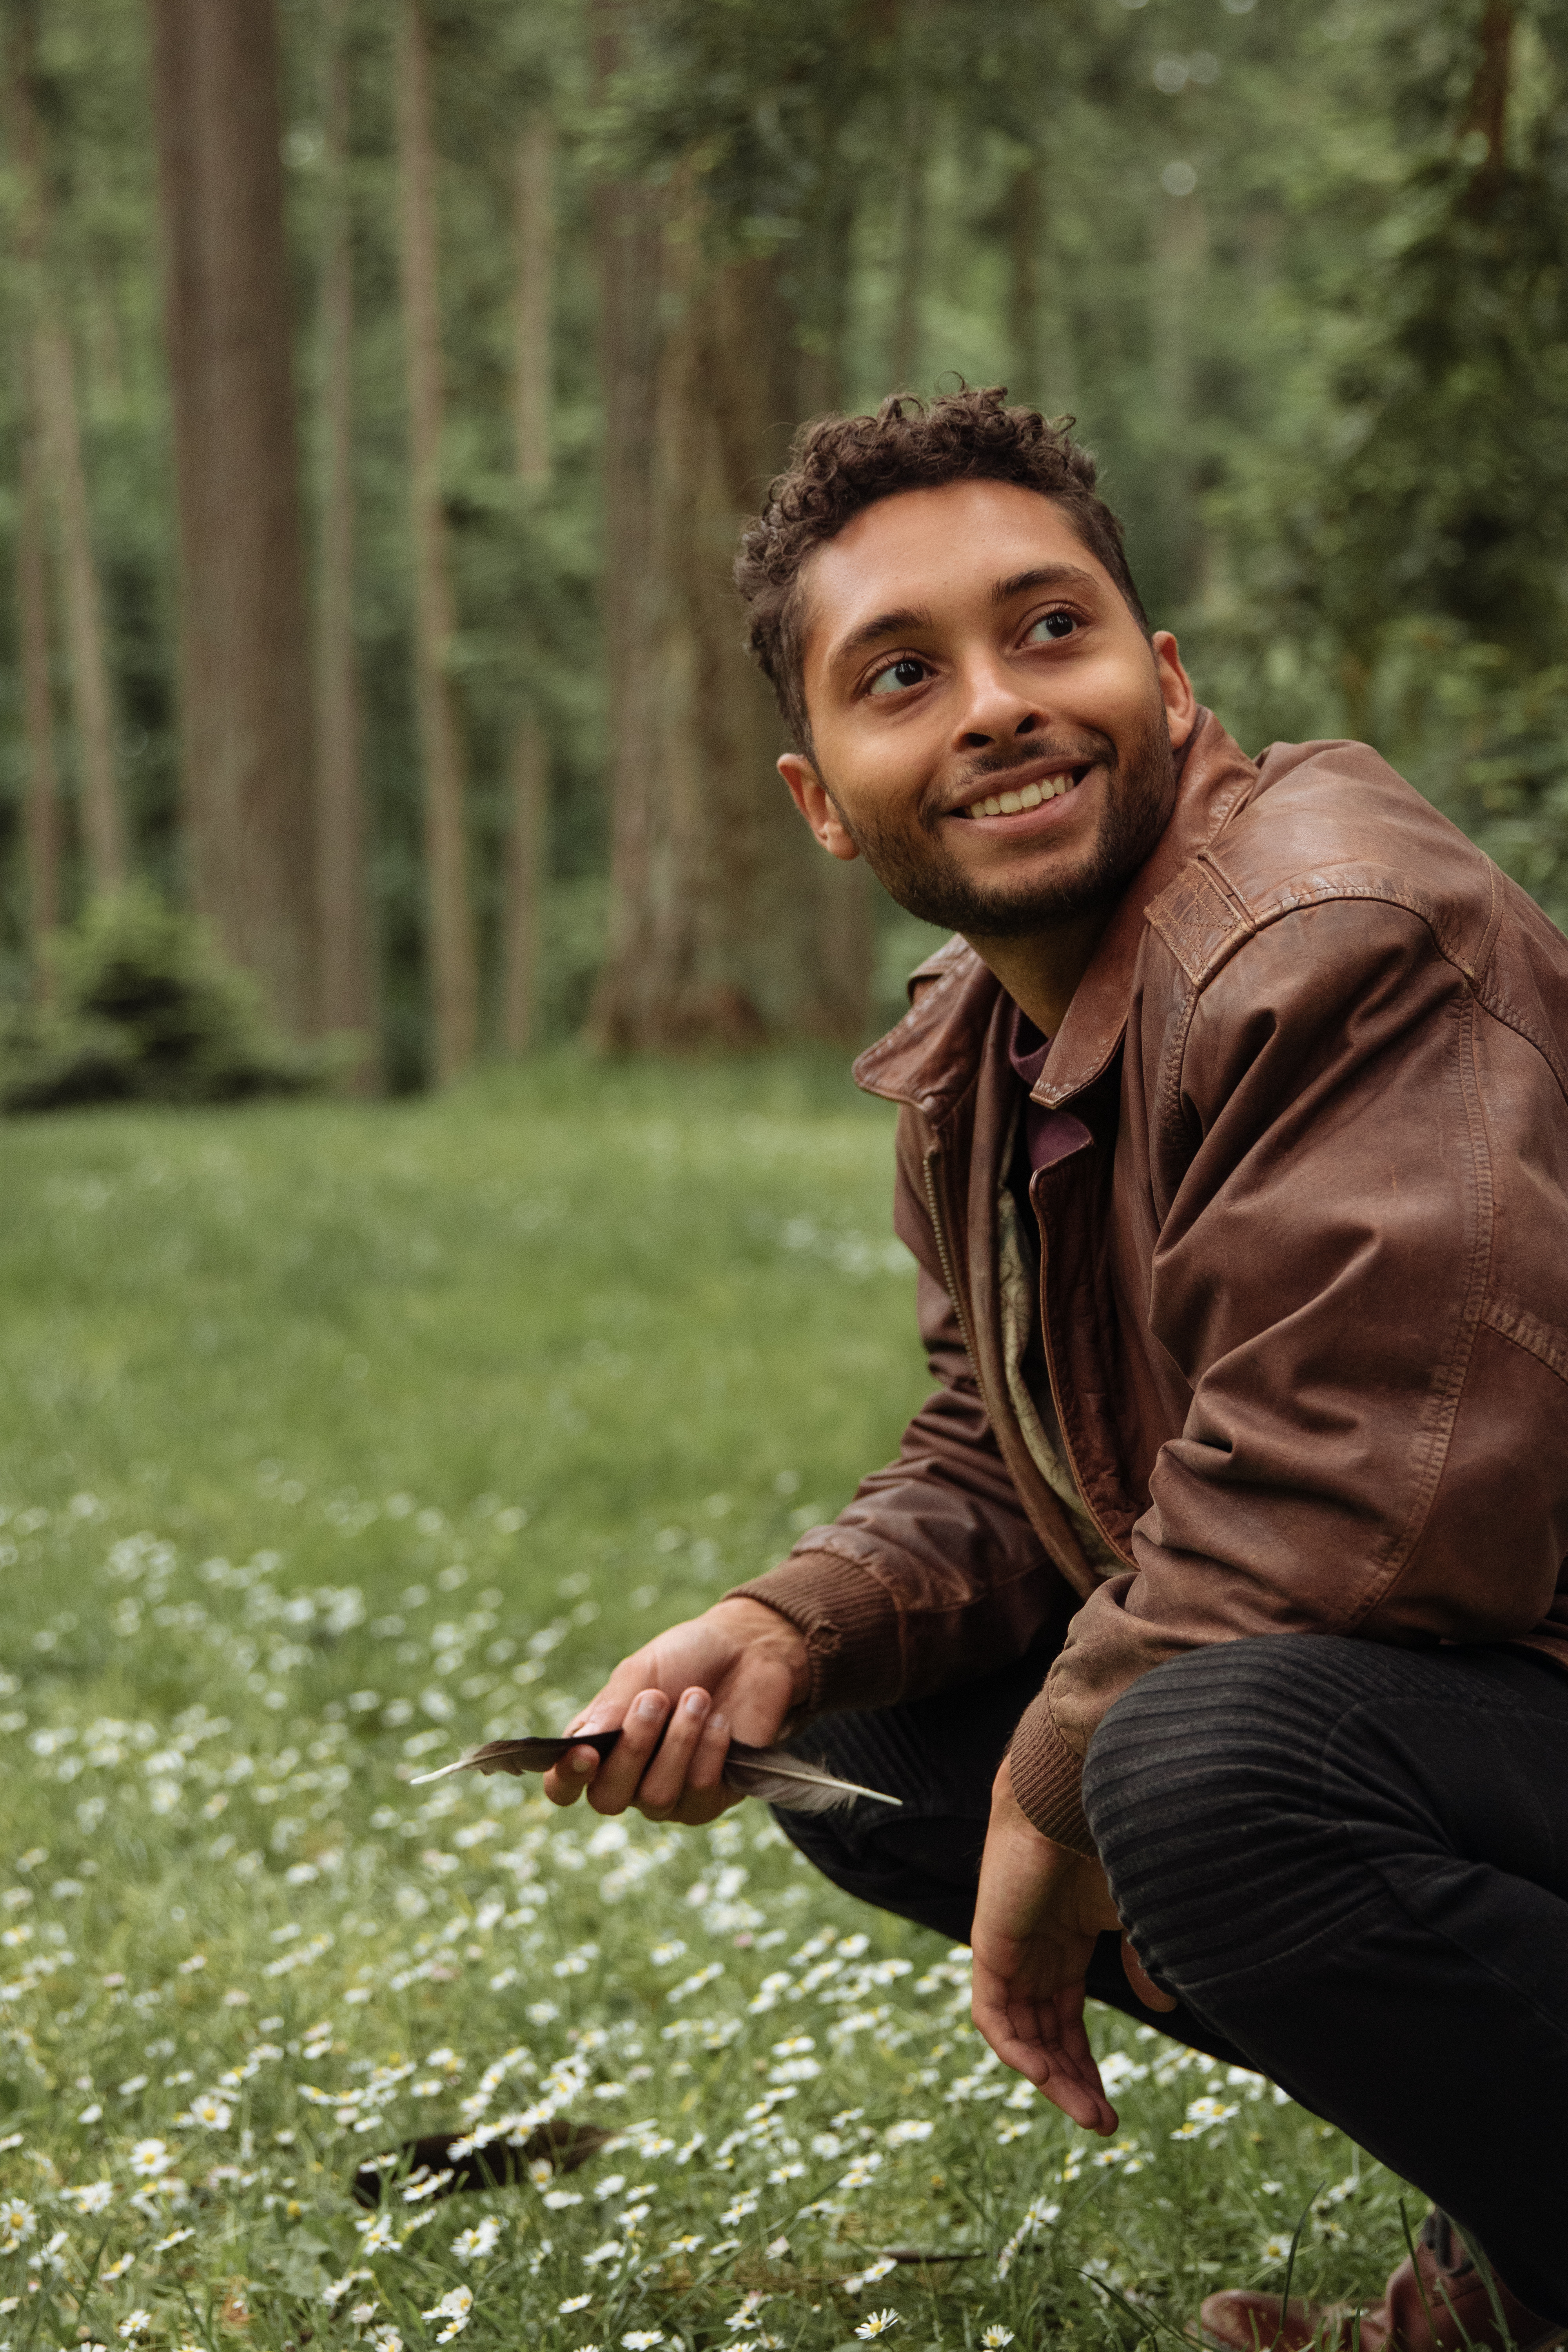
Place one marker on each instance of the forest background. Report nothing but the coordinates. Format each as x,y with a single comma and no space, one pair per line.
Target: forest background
389,378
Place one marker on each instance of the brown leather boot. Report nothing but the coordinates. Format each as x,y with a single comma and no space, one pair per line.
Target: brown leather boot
1438,2303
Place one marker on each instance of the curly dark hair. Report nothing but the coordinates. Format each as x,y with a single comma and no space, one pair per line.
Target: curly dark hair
841,464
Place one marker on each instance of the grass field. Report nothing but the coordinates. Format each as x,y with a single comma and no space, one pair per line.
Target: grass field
333,1438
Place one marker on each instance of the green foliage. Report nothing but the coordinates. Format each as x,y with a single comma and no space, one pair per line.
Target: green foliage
332,1435
144,1010
1391,553
1495,749
1316,328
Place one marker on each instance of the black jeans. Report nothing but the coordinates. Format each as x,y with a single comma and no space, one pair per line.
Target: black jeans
1349,1863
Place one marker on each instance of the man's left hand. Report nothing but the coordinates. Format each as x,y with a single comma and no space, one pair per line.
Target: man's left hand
1037,1913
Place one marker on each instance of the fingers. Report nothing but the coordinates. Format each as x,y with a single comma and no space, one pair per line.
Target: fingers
990,2007
614,1784
1046,2041
1080,2100
665,1755
1078,2064
691,1757
1142,1982
566,1782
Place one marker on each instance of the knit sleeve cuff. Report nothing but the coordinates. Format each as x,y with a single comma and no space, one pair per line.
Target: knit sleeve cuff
851,1626
1047,1778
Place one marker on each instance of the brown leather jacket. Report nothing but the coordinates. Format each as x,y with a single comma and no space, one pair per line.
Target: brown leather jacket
1304,1284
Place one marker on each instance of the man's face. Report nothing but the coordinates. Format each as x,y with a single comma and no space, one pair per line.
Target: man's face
992,730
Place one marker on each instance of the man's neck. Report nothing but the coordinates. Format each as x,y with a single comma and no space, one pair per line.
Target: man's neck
1041,972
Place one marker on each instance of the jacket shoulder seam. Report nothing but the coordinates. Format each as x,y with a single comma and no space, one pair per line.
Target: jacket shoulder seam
1522,1329
1480,975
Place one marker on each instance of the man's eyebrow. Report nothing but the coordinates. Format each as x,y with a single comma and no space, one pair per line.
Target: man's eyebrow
886,624
1044,576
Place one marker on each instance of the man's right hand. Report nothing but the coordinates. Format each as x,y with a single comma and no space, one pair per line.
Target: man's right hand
738,1670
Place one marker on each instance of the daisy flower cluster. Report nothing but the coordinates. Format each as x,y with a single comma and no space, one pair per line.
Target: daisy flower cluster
296,2051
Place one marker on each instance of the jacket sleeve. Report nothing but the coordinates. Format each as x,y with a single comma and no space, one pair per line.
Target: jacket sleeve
1342,1122
933,1575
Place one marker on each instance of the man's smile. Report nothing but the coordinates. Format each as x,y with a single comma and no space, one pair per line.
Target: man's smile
1045,783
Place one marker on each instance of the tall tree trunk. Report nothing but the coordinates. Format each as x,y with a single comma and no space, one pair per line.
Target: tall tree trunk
729,927
820,365
525,846
1488,110
350,997
535,362
102,825
41,821
628,241
1025,325
52,390
1039,328
454,974
911,261
1182,251
530,763
247,754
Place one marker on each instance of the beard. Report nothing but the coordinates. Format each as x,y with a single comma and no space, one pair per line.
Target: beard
916,868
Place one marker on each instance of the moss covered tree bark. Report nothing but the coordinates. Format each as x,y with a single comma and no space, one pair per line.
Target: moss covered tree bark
246,753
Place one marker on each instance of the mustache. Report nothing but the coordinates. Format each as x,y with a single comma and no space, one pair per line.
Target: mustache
1094,750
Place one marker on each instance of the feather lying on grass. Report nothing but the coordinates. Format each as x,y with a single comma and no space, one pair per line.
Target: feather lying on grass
496,2164
770,1773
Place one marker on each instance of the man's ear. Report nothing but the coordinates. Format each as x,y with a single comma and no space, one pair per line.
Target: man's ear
810,796
1175,687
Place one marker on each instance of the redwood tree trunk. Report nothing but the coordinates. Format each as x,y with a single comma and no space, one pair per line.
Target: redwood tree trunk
41,819
453,972
530,765
529,782
1024,324
535,272
1488,110
350,998
53,402
247,757
729,925
102,825
912,259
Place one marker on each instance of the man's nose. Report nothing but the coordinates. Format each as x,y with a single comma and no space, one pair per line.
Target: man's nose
993,710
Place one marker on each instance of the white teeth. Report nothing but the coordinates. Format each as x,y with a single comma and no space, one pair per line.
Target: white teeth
1027,796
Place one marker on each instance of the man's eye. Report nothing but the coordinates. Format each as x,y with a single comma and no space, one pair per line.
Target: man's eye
1051,625
899,676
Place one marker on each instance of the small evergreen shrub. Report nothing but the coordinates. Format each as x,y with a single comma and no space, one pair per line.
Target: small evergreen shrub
145,1010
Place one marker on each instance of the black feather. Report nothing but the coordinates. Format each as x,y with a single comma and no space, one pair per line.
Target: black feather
774,1774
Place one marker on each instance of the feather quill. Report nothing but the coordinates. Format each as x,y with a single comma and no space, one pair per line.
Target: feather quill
770,1773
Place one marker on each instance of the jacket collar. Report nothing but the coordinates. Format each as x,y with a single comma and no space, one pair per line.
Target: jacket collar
929,1059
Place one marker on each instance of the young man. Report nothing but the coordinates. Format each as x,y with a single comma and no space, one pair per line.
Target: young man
1210,1624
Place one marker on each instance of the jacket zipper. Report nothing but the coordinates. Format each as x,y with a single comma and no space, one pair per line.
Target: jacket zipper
1103,1531
944,1259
